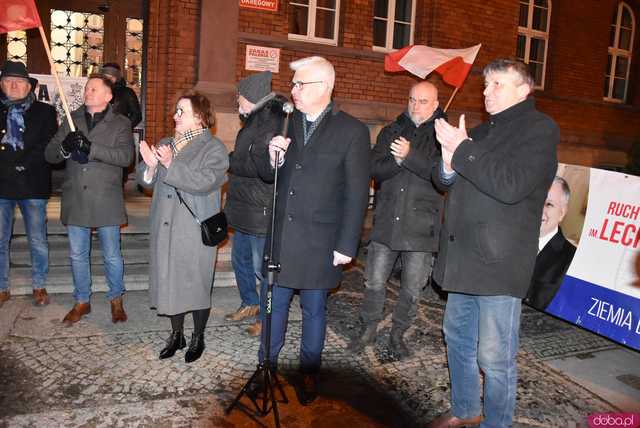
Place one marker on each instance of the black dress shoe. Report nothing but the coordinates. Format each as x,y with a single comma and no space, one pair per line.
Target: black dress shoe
174,342
196,348
307,391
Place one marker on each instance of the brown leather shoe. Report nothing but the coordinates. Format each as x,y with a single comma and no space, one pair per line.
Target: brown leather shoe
74,315
243,312
117,311
4,296
447,420
40,297
255,329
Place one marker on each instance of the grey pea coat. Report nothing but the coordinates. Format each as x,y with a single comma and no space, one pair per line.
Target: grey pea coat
181,267
92,192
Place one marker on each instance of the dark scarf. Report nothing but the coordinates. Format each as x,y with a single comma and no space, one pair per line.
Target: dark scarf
309,127
93,119
15,119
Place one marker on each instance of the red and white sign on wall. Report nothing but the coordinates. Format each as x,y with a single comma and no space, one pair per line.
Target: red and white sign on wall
270,5
261,58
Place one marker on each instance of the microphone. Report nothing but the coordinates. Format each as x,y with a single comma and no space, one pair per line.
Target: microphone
288,109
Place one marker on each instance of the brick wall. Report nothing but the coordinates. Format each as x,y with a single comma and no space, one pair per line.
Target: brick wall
171,60
574,77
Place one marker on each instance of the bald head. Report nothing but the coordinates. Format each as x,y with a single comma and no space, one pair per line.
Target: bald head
423,101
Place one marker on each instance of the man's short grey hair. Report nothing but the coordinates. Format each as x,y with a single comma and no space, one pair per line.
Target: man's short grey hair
566,190
320,65
505,65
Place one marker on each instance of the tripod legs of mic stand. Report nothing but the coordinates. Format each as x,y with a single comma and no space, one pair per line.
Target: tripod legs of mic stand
266,373
267,380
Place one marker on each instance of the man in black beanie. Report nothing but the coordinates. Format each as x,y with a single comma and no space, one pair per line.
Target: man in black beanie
248,206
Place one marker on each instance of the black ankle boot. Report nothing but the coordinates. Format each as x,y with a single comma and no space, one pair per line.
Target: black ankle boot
196,348
368,337
174,342
397,346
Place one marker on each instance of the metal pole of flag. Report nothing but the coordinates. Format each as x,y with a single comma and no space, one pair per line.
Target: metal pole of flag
63,98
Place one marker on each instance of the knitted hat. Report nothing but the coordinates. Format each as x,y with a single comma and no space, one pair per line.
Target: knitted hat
256,86
112,70
14,69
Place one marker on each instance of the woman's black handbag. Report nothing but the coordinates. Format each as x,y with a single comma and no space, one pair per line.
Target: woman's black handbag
214,229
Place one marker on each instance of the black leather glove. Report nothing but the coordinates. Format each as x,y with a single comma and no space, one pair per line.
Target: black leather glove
70,142
84,145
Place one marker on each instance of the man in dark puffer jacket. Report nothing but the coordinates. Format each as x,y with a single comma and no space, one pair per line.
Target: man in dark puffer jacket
248,206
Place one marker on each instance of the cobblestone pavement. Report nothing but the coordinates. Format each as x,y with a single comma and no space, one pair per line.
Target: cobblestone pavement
114,378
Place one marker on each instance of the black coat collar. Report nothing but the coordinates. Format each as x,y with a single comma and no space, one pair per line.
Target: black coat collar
514,111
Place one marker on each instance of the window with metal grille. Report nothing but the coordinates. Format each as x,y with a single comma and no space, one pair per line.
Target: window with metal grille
77,42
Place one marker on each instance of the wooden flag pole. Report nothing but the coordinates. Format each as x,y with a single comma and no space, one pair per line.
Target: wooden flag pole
63,98
455,91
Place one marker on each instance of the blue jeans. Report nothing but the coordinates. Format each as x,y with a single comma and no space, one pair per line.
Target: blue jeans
246,258
314,326
80,254
34,213
416,267
482,334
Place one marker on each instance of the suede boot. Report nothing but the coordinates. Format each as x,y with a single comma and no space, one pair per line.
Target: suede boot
397,345
368,337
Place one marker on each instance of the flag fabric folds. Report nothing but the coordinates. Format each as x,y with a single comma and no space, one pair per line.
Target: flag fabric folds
18,15
452,64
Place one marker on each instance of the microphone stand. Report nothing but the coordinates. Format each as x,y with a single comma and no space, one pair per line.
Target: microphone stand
265,370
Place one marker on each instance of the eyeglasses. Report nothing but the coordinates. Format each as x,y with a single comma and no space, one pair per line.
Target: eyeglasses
300,85
180,111
422,102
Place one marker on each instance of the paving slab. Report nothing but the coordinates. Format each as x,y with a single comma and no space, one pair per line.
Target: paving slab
99,374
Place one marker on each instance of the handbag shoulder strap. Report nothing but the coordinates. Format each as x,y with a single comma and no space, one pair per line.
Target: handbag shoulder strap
187,206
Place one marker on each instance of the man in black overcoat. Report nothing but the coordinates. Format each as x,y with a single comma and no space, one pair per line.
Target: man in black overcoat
323,185
497,178
26,126
407,216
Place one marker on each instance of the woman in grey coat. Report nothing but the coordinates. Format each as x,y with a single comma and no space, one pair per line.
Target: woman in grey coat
193,163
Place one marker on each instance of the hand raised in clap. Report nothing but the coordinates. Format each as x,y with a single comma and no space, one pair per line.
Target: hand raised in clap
148,154
400,149
165,155
449,136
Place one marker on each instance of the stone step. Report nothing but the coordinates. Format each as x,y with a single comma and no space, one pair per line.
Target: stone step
136,277
135,250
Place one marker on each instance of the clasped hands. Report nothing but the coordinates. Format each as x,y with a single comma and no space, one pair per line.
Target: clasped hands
450,138
400,149
152,155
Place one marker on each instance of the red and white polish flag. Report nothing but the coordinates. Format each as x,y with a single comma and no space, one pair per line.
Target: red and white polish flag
452,64
18,15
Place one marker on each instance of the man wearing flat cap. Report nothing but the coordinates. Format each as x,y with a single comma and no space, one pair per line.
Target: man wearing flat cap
26,126
248,205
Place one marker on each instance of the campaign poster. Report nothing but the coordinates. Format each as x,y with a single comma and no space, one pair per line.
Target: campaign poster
601,290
